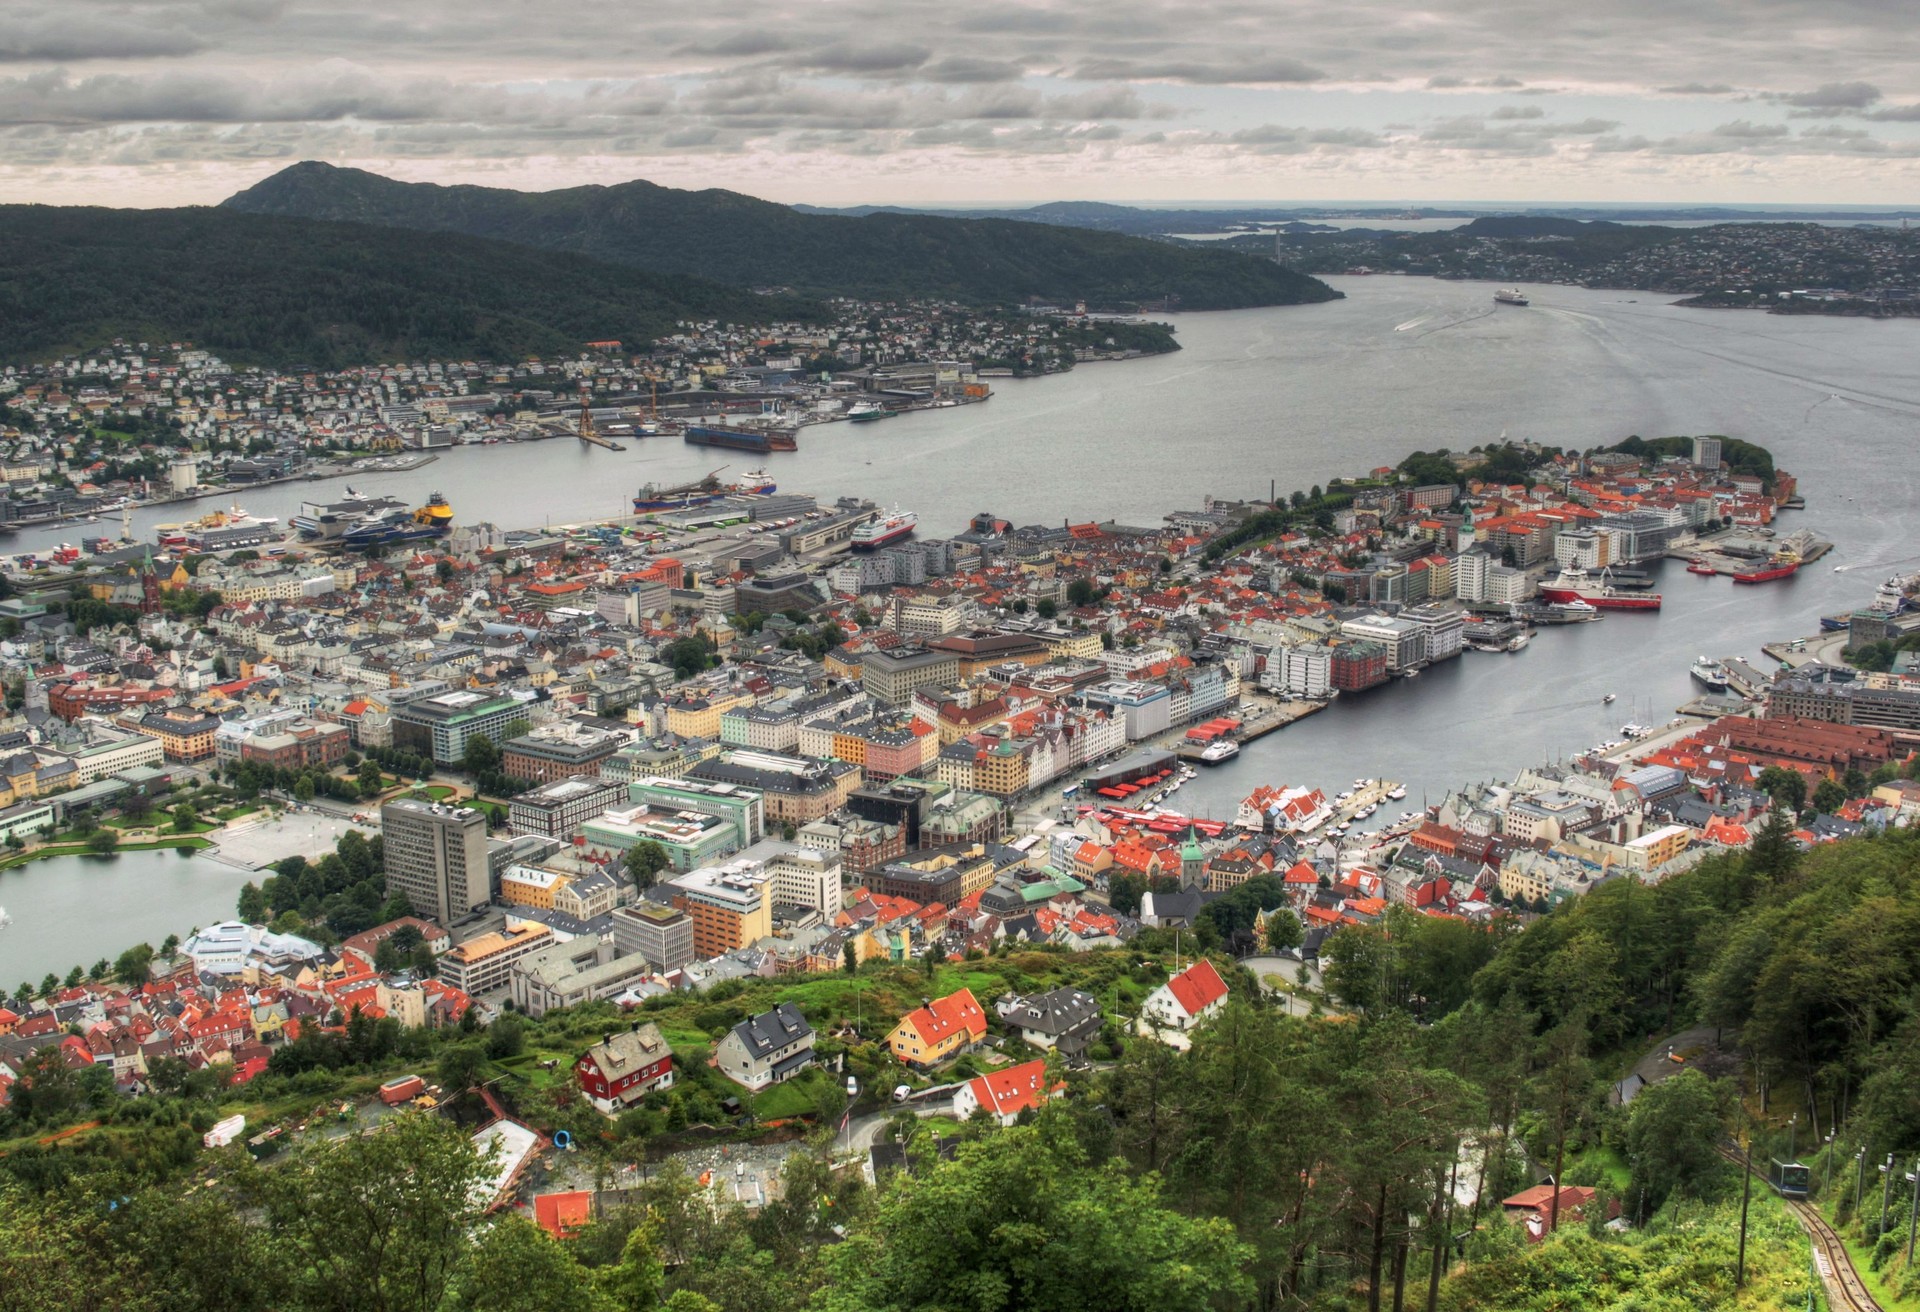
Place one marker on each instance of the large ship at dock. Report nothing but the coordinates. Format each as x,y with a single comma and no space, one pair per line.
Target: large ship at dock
741,439
321,523
1575,584
396,526
884,531
232,527
682,496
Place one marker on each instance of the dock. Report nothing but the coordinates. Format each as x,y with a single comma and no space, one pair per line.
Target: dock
1744,679
1268,722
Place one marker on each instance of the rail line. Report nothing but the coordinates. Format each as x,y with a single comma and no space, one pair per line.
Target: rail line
1845,1289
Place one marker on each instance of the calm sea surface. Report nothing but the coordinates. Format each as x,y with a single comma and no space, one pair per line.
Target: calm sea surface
1292,397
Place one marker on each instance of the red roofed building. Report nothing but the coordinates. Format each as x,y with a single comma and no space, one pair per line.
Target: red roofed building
1184,1000
1004,1094
563,1215
940,1029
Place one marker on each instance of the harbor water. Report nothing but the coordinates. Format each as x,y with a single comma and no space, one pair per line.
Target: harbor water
70,911
1289,398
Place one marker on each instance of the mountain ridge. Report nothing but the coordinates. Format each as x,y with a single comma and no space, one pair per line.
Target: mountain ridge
269,289
734,238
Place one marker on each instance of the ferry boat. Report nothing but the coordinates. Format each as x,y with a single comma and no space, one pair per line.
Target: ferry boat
866,412
1710,672
884,531
1575,584
1510,296
1220,749
741,439
232,527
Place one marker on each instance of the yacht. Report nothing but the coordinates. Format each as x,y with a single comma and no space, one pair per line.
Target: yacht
1608,700
1220,749
1397,793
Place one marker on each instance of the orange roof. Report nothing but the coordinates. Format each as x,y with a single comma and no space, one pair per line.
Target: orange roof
1013,1090
943,1017
562,1214
1197,987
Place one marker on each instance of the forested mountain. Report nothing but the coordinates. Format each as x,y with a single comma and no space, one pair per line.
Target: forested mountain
286,291
734,238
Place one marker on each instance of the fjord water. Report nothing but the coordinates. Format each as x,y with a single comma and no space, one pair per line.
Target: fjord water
1296,396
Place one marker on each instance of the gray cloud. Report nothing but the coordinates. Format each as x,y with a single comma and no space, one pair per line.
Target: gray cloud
27,36
1833,95
1697,89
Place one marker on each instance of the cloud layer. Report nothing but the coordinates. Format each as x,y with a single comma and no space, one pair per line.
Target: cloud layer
162,101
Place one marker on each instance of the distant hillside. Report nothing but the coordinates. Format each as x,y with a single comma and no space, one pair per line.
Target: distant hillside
271,290
733,238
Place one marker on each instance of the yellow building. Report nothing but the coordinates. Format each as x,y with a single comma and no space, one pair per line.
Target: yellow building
527,886
700,717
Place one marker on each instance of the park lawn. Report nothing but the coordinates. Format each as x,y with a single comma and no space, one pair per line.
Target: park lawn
437,792
189,842
235,812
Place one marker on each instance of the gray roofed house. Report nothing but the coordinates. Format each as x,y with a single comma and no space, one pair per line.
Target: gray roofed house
1063,1020
767,1049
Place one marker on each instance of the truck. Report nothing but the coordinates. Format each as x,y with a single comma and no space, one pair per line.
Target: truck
224,1132
405,1088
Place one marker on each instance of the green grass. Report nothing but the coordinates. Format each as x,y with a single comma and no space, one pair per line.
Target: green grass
1877,1282
190,842
794,1098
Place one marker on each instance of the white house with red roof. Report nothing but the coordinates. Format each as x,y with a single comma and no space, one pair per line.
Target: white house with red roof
1186,999
1004,1094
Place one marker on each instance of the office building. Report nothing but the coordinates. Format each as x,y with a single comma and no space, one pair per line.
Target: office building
436,858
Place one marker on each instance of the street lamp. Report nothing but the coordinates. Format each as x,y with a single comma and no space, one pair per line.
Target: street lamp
1860,1159
1886,1191
1826,1166
853,1092
1793,1126
1913,1209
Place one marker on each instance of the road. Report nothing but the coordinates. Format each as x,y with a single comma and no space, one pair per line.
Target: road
1295,972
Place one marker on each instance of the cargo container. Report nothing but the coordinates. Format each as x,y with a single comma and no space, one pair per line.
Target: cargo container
404,1089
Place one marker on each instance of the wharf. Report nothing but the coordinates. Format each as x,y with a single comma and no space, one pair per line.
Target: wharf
1267,722
1744,679
1372,792
1713,708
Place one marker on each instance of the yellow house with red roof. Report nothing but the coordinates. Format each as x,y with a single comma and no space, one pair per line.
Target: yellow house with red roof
940,1029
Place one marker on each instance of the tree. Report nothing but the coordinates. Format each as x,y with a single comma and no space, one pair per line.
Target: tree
1672,1129
252,905
133,966
1828,797
184,818
1080,592
377,1221
1283,931
515,1267
1788,787
634,1281
480,756
1018,1219
644,862
1124,892
849,960
461,1065
101,842
1774,853
1046,608
303,789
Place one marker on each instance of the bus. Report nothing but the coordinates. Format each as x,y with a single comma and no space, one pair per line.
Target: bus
1069,792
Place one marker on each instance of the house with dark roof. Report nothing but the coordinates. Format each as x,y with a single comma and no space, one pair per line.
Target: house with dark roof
767,1049
1063,1020
625,1067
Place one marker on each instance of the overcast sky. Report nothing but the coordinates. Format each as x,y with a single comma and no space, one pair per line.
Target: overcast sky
839,102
